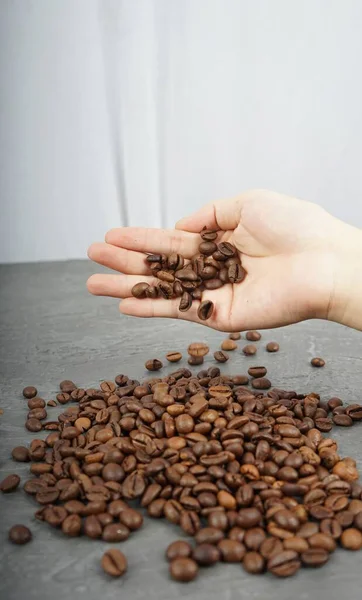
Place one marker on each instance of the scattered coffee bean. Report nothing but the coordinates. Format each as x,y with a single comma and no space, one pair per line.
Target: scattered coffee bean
231,550
198,349
228,345
317,362
221,356
10,483
36,403
235,336
272,347
20,454
183,569
30,392
51,403
178,549
19,534
195,360
249,350
262,383
253,336
114,563
206,554
257,371
153,364
33,425
173,356
205,310
351,539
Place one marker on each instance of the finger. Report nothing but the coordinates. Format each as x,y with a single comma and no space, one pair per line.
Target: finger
169,309
116,286
154,240
221,214
119,259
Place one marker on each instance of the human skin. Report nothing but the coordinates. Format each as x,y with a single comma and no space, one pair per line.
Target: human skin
301,262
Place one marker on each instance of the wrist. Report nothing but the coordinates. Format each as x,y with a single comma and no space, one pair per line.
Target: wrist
345,302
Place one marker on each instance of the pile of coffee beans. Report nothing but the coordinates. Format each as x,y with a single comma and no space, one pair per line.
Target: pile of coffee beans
215,265
247,473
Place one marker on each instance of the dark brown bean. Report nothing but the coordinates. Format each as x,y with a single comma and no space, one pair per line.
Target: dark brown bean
114,563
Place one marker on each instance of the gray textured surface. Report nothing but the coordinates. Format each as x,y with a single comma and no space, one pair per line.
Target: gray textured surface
52,329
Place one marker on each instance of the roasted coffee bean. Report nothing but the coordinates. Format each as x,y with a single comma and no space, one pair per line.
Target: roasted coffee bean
72,525
235,335
213,284
314,557
92,527
139,290
114,563
284,564
206,554
63,398
270,547
33,425
30,392
190,522
131,518
272,347
228,345
257,371
322,540
262,383
183,569
209,235
249,350
153,364
317,362
253,563
173,356
205,310
185,302
195,360
9,484
236,273
227,249
342,420
209,535
51,403
20,454
357,521
198,349
36,403
231,550
115,532
178,549
351,539
253,336
221,356
207,248
19,534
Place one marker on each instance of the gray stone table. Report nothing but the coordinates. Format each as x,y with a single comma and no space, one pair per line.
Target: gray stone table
51,329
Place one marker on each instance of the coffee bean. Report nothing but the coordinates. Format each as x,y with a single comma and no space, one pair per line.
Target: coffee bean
284,564
67,386
249,350
213,284
19,534
9,484
209,535
92,527
63,398
221,356
20,454
183,569
272,347
317,362
209,235
54,515
262,383
185,302
235,335
207,248
236,273
33,425
357,521
153,258
322,540
257,371
206,554
173,356
228,345
152,292
51,403
115,532
270,547
153,364
231,550
342,420
165,289
205,310
131,518
36,403
165,276
253,563
296,543
198,349
72,525
227,249
195,360
30,392
178,549
114,563
314,557
139,290
351,539
354,411
253,336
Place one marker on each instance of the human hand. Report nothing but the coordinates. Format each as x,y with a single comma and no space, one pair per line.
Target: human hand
297,257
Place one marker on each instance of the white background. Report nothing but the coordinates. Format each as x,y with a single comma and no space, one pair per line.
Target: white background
139,111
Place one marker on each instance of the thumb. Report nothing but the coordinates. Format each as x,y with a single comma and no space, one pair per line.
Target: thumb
220,215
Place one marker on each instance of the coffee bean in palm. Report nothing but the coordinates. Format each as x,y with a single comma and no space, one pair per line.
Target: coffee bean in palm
151,292
139,290
213,284
197,294
178,549
205,310
208,272
221,356
253,336
19,534
235,335
183,569
209,235
257,372
249,350
228,345
33,425
206,554
30,392
165,276
236,273
186,275
20,454
165,289
114,563
317,362
185,302
175,261
272,347
153,364
224,275
198,349
207,248
10,483
227,249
